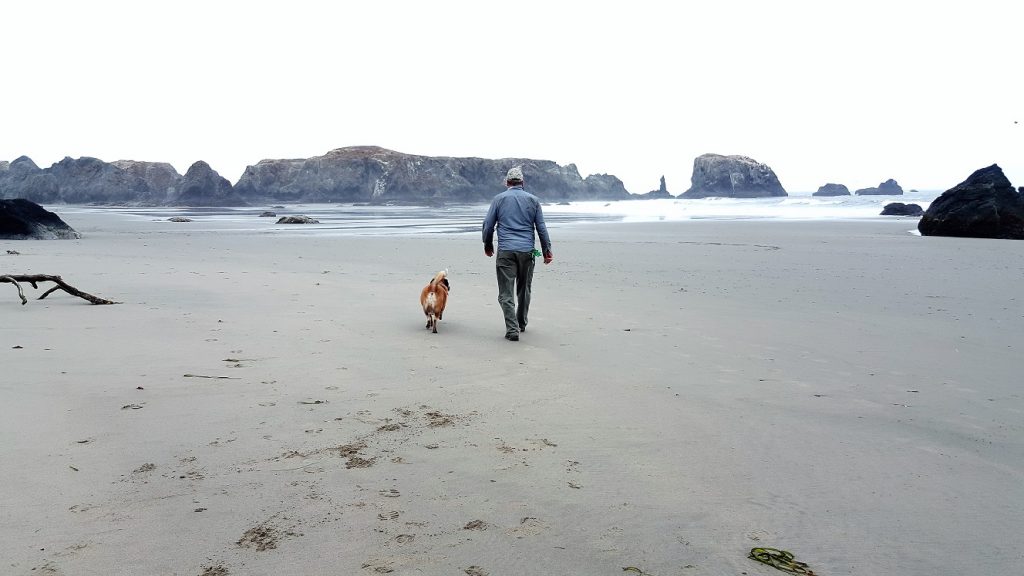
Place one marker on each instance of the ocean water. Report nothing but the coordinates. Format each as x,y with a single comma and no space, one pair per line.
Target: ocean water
349,219
793,207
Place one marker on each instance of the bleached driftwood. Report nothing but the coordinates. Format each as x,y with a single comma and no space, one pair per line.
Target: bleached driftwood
33,279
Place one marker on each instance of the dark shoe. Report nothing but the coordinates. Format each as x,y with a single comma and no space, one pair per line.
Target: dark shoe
512,337
522,328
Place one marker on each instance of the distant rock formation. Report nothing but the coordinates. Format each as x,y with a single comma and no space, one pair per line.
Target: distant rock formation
732,177
86,181
23,220
901,209
887,188
92,181
377,175
161,178
356,174
23,179
832,190
659,194
203,186
983,206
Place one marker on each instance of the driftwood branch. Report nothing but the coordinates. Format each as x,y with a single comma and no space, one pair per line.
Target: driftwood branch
33,279
21,294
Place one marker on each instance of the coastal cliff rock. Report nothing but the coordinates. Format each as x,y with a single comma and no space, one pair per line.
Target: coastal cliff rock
356,174
832,190
984,206
594,187
88,180
22,219
23,179
732,177
161,178
887,188
901,209
203,186
378,175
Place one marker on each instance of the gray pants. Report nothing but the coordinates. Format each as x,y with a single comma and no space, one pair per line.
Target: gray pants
515,275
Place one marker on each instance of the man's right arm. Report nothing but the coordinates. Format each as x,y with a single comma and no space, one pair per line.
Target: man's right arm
542,232
488,229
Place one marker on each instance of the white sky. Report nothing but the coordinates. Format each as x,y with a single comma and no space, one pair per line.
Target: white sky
821,91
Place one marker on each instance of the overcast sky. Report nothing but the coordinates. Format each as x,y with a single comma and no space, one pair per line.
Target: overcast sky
821,91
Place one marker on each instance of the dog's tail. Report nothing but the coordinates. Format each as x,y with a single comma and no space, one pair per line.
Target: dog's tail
439,276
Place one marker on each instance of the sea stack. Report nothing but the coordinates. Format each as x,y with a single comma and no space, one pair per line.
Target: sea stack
831,189
732,177
887,188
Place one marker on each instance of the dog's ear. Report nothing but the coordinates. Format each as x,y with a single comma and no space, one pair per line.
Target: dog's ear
447,285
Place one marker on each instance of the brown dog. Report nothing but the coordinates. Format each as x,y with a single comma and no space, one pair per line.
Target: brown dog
434,297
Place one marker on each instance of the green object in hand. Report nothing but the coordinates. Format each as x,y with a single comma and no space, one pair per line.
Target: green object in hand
536,253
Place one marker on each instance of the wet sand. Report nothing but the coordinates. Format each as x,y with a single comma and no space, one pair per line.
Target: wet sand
270,403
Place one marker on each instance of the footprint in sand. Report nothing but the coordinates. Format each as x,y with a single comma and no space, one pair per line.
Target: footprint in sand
260,537
265,536
378,567
49,569
404,538
528,526
758,535
217,570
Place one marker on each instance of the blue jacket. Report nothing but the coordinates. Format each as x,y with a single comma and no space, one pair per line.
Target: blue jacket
516,213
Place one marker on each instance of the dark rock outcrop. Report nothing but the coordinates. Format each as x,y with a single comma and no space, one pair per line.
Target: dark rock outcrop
901,209
22,219
378,175
732,177
832,190
300,219
203,186
984,206
660,194
887,188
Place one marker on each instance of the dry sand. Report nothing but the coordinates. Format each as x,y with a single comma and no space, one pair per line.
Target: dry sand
271,404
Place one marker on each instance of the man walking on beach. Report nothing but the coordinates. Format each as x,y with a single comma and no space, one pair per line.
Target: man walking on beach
516,213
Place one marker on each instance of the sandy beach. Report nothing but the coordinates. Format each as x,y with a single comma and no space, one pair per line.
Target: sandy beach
271,404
